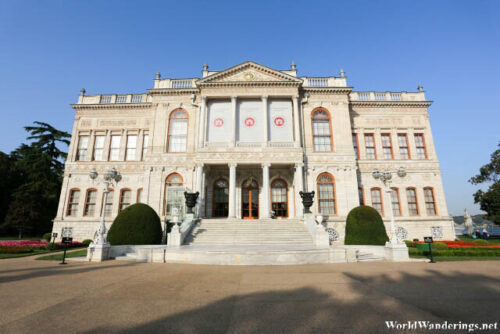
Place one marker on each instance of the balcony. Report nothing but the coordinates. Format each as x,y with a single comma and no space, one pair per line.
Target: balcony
387,96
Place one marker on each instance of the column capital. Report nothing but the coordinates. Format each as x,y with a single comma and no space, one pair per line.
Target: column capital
301,165
199,164
264,97
266,164
234,97
232,165
204,98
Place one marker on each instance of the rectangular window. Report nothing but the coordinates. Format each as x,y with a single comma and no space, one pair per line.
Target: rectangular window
131,147
178,135
361,196
396,207
114,151
99,148
108,206
371,153
411,195
90,203
377,200
404,152
387,146
125,198
145,144
420,146
74,198
83,144
430,203
139,195
355,144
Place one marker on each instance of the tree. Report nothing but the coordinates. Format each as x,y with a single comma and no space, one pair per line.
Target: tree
489,200
35,178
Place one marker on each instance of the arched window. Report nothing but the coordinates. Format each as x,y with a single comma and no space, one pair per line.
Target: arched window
174,194
377,202
177,131
326,194
396,204
90,202
125,199
430,202
74,199
220,207
411,196
279,198
322,130
139,196
108,206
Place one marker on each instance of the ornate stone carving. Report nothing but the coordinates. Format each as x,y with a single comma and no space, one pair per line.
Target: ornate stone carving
437,232
333,235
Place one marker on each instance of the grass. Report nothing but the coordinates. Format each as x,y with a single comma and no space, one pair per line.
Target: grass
458,258
59,256
34,252
490,242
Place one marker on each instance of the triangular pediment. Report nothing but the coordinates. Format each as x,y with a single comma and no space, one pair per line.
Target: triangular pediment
250,72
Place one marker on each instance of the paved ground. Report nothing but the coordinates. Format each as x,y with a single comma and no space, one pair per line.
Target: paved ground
44,297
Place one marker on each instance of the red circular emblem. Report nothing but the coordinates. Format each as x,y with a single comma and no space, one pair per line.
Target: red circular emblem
279,121
218,122
249,122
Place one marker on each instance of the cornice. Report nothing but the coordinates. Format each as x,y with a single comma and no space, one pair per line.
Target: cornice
249,84
380,104
142,105
173,91
328,90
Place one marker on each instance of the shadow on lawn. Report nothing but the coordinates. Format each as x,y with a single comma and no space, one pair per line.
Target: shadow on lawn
362,305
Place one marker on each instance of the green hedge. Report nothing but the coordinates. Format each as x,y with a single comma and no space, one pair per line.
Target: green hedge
136,225
364,226
47,236
462,251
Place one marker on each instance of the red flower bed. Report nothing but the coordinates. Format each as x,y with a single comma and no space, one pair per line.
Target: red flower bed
26,243
458,244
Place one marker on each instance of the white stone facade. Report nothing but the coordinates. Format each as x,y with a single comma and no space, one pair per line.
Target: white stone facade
246,126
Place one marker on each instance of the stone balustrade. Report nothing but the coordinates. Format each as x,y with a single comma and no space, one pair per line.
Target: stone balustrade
113,99
176,83
324,82
387,96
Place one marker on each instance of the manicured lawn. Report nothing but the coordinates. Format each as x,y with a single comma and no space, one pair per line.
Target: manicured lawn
490,242
59,256
35,252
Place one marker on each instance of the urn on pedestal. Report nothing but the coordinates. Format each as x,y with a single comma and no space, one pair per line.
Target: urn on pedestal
307,200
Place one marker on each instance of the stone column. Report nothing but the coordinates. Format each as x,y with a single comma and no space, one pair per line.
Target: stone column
202,122
198,187
90,146
296,121
266,124
299,186
265,191
234,100
232,191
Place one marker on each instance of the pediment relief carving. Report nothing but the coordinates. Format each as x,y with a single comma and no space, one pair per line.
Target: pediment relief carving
249,72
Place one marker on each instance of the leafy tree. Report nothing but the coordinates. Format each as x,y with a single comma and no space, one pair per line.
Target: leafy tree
489,200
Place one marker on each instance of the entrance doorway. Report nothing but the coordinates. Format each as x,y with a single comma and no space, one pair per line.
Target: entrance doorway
221,198
250,199
279,198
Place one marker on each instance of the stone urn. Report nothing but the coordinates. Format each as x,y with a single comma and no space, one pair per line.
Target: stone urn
319,219
307,200
191,199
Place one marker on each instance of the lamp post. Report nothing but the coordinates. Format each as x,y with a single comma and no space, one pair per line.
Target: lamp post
110,176
386,178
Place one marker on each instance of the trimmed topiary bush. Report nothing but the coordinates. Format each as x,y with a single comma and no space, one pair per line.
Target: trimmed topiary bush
136,225
364,226
47,236
86,242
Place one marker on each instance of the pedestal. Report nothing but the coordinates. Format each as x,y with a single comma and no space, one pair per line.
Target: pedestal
98,253
396,252
174,237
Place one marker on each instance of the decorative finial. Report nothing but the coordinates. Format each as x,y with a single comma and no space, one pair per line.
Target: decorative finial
82,91
205,67
342,73
420,88
294,67
158,76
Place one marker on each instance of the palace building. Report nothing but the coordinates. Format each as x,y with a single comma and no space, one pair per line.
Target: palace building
249,138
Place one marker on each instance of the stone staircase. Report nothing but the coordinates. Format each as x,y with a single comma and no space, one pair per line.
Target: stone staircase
238,232
363,256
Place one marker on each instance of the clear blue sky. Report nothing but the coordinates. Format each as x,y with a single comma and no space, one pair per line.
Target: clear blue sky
49,50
